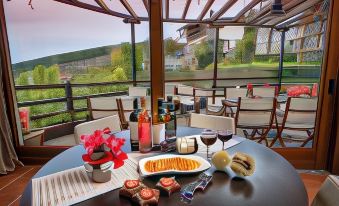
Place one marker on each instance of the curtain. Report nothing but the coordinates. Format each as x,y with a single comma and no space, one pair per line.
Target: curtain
8,157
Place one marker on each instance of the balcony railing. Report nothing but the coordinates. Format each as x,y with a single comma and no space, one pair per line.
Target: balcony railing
69,98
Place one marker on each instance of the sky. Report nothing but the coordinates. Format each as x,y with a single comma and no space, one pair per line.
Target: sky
54,28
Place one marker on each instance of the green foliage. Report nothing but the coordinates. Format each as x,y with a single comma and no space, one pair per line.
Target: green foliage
245,48
172,47
53,74
65,57
39,74
204,53
23,78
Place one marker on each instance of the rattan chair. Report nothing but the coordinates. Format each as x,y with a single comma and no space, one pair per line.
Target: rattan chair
138,91
256,115
100,107
233,93
213,100
212,122
111,122
299,115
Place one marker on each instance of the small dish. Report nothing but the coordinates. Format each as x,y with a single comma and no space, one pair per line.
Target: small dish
204,165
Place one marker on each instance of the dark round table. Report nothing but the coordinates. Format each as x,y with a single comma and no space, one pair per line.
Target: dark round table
275,181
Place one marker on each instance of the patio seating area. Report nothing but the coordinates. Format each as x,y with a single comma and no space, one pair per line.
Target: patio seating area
270,120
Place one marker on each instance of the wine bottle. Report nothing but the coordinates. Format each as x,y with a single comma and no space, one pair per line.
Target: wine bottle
144,128
133,126
170,127
133,117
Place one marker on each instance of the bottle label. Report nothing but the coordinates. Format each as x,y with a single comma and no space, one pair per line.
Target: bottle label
145,136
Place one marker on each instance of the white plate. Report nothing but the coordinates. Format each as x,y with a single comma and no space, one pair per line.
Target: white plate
204,165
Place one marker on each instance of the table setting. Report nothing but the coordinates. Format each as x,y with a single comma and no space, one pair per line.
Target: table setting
178,166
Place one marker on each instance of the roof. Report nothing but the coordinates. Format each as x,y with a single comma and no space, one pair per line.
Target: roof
212,12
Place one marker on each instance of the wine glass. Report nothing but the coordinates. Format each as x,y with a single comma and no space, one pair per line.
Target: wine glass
208,137
224,136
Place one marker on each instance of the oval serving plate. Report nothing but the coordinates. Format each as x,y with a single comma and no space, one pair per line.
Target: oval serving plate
204,165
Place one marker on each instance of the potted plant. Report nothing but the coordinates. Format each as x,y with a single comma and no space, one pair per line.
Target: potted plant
103,153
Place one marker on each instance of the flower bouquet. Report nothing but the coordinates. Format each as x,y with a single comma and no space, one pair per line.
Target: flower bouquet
103,153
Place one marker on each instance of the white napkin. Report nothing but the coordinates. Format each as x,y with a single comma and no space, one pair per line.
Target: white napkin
73,186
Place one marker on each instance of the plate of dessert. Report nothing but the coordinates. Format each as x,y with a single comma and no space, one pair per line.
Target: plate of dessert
172,164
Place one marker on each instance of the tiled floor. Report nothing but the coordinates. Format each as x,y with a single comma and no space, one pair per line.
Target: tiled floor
13,184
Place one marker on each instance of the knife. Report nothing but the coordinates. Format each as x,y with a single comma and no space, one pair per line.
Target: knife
187,192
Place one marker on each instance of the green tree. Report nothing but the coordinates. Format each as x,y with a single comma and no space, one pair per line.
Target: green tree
172,47
52,74
39,74
23,78
245,48
204,53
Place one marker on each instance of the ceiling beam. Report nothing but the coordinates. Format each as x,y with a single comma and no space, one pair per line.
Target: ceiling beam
184,13
266,11
94,8
223,9
129,9
146,5
205,10
304,21
248,7
285,23
296,10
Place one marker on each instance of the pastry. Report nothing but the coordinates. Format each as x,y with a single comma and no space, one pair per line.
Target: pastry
131,187
220,160
168,184
147,196
175,163
243,164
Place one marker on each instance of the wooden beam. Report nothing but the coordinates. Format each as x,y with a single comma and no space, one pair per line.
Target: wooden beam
248,7
205,10
296,10
292,20
146,5
184,13
156,56
266,11
223,9
167,9
129,9
94,8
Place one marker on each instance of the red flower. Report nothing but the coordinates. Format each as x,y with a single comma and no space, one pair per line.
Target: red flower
93,141
115,145
249,86
96,140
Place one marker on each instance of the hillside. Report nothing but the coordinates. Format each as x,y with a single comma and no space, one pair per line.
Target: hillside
63,58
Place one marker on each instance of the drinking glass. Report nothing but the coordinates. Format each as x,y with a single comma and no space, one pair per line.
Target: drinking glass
224,136
208,137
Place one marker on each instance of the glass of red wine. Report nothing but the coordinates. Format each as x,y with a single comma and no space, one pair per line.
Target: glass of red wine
224,136
208,137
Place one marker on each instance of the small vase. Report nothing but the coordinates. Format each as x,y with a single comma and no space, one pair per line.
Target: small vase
101,175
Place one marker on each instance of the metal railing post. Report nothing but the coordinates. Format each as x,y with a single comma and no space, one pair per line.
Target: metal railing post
281,60
134,61
69,97
215,62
